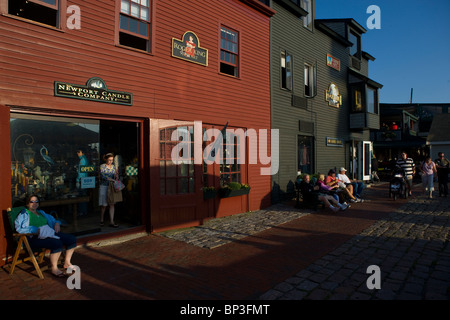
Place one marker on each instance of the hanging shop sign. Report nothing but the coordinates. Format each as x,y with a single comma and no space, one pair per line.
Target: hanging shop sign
188,48
332,96
333,62
94,90
334,142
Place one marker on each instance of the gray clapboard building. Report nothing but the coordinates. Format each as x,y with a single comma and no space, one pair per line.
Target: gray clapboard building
322,99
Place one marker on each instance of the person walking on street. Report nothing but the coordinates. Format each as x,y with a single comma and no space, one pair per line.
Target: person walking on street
428,169
407,164
442,166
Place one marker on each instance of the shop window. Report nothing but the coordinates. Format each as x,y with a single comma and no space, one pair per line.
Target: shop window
286,70
42,11
175,178
305,149
310,80
230,169
229,54
134,24
58,159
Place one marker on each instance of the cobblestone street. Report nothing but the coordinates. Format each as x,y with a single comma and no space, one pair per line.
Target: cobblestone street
278,253
411,249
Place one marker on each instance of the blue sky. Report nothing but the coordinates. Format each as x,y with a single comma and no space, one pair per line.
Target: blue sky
411,49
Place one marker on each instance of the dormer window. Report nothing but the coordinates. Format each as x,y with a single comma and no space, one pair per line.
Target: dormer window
307,20
355,49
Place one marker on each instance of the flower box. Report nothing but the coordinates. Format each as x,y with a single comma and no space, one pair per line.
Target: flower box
227,192
209,194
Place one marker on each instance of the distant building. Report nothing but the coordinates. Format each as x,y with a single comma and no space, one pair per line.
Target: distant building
323,101
405,127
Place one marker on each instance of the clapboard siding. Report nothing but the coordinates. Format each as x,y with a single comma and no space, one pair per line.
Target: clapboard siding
305,46
33,56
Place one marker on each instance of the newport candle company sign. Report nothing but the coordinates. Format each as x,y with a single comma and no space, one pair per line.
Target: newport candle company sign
94,90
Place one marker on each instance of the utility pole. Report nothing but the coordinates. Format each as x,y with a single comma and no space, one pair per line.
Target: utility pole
410,99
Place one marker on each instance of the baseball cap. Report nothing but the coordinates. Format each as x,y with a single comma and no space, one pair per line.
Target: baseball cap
342,169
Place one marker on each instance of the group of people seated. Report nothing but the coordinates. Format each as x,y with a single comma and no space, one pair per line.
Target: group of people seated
336,192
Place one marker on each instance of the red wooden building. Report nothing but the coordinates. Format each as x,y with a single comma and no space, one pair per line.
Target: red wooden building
124,76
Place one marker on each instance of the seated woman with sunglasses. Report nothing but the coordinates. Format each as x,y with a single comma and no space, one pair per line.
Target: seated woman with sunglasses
46,234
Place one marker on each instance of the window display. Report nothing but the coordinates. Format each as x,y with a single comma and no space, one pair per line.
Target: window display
58,159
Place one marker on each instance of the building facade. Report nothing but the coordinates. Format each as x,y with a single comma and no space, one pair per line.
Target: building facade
323,101
150,81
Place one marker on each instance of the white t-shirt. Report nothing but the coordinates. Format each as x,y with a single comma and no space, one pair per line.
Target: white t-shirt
343,178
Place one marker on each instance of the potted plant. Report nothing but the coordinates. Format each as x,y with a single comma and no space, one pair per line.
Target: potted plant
233,189
209,193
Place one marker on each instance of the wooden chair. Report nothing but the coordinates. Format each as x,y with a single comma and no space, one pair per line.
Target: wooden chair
23,246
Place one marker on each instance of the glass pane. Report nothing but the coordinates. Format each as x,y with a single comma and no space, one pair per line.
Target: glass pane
162,186
191,185
134,25
135,10
125,7
52,2
144,14
144,3
143,28
183,185
161,150
183,169
171,186
162,169
171,169
137,1
124,22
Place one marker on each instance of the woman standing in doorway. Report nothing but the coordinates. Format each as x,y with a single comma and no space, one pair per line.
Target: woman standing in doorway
107,174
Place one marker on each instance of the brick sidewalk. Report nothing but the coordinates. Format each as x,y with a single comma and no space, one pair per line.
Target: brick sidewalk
155,267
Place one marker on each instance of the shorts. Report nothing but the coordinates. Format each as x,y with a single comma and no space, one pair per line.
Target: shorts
54,245
427,181
409,180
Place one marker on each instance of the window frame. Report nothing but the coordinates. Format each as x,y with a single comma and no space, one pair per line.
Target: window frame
231,141
312,75
45,4
284,71
166,145
374,91
308,19
4,9
358,52
236,65
148,22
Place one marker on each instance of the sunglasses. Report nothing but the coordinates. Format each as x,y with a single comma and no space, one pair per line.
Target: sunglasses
34,201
